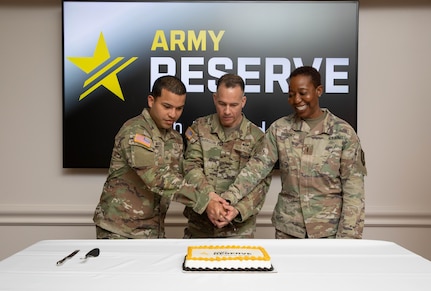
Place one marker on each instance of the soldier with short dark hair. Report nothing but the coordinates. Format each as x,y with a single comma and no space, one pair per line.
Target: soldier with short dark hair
218,147
145,171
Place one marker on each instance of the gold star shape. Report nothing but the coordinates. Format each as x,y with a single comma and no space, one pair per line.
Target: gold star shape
89,64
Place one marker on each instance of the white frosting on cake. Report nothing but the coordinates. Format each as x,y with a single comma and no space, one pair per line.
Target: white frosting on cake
227,257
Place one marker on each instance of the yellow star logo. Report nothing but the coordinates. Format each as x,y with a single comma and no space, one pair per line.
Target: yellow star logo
89,65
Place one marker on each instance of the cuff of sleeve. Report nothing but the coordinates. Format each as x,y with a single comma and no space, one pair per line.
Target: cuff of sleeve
345,236
349,231
201,204
229,197
242,213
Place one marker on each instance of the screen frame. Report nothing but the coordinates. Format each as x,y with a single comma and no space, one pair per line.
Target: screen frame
104,129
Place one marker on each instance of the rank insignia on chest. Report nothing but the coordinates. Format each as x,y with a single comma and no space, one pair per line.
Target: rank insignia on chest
307,149
143,140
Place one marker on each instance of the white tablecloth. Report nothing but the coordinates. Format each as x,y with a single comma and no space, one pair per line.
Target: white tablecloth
157,265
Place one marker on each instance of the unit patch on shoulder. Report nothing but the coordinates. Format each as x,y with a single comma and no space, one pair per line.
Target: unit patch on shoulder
191,134
143,140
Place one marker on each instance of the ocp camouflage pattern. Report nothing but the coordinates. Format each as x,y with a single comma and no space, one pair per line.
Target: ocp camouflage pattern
144,176
212,162
322,175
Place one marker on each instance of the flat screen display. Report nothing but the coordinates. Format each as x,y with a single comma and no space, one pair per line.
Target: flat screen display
113,52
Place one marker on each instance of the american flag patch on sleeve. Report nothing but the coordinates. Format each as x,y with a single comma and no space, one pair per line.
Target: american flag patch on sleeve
189,133
143,140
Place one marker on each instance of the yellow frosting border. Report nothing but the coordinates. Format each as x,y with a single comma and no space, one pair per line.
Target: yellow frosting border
265,256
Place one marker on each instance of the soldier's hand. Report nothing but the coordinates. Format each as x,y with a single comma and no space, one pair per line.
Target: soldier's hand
215,197
227,217
214,210
216,207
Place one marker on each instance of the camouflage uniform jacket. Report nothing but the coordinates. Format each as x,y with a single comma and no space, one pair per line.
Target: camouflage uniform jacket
212,162
322,175
144,176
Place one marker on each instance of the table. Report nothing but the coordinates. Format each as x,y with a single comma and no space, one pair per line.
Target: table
309,264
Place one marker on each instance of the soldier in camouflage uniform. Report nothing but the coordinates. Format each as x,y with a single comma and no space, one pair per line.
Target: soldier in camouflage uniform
145,170
322,168
218,147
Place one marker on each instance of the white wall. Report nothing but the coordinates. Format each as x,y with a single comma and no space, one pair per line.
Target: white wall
41,200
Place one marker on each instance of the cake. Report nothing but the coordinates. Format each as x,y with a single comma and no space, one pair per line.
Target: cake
227,258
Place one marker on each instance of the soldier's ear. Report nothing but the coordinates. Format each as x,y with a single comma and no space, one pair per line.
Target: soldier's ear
319,90
150,101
